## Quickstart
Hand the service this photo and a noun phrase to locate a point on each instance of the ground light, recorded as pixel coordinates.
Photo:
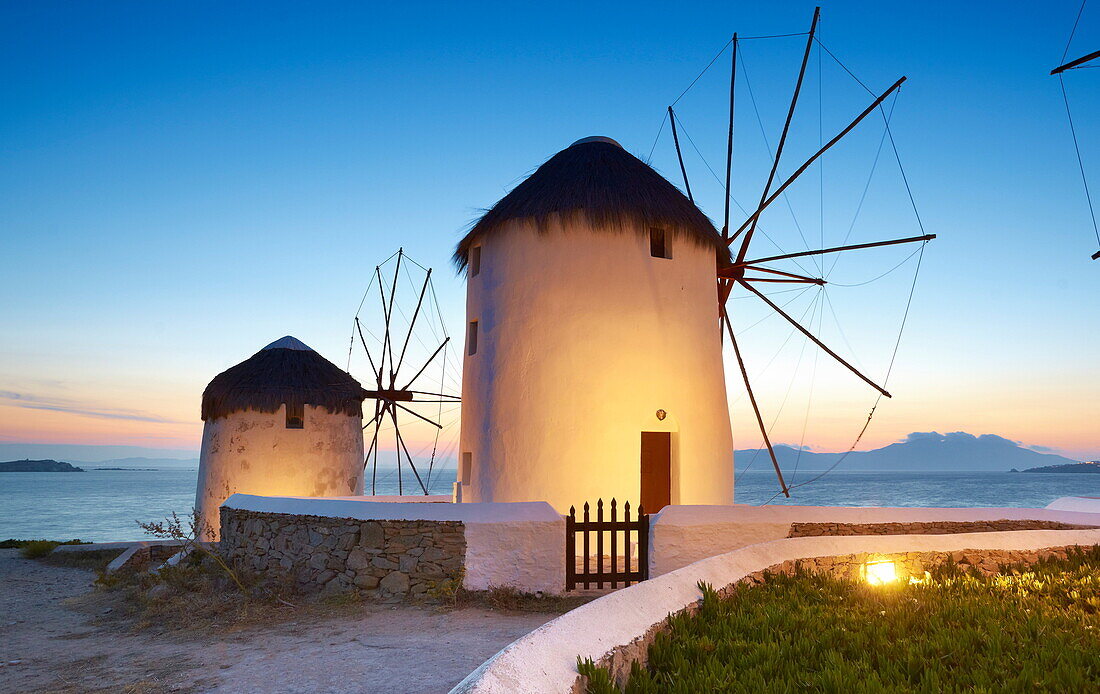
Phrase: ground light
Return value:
(880, 572)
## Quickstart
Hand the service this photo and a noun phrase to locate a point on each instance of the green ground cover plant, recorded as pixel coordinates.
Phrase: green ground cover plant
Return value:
(1031, 628)
(33, 549)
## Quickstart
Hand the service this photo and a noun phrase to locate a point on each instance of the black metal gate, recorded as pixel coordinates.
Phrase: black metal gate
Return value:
(619, 564)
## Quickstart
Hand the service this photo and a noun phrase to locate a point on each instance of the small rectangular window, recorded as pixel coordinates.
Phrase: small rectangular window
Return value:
(295, 416)
(475, 261)
(471, 338)
(464, 473)
(659, 246)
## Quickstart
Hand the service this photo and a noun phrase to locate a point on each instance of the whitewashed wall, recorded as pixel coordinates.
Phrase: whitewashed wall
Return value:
(681, 535)
(520, 545)
(254, 453)
(582, 337)
(545, 660)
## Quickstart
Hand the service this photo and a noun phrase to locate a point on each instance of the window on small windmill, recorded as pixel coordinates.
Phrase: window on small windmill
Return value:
(471, 338)
(475, 261)
(295, 416)
(659, 246)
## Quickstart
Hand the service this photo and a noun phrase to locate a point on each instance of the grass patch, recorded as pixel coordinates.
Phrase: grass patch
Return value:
(1031, 628)
(37, 548)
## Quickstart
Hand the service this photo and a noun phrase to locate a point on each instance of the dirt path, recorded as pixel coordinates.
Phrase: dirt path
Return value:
(48, 647)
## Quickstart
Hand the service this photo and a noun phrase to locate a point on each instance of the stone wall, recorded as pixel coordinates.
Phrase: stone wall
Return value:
(926, 528)
(392, 560)
(908, 565)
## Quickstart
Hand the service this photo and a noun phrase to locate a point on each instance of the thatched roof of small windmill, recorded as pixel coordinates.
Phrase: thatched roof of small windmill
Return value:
(610, 188)
(285, 372)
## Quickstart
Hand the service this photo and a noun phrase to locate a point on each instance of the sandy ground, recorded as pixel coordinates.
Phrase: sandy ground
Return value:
(50, 647)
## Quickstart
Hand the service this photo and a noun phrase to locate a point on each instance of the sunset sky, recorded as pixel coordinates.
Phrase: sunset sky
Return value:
(182, 183)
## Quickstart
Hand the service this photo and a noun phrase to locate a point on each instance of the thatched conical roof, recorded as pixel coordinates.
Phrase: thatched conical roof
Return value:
(285, 372)
(609, 187)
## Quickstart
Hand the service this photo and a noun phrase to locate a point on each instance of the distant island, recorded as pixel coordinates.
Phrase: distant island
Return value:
(1090, 466)
(37, 466)
(128, 469)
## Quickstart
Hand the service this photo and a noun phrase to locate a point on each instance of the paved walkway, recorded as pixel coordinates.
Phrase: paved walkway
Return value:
(48, 647)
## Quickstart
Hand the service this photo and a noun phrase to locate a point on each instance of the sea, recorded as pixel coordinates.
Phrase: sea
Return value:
(106, 505)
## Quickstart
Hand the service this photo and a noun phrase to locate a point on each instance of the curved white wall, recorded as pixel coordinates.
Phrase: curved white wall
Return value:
(254, 453)
(582, 337)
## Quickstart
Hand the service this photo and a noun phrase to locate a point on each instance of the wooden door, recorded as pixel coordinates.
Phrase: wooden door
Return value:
(656, 470)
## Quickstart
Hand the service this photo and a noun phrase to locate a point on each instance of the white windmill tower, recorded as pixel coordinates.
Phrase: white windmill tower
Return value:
(593, 363)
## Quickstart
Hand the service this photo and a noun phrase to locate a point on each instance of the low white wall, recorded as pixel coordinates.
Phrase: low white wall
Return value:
(1081, 504)
(680, 535)
(545, 660)
(510, 544)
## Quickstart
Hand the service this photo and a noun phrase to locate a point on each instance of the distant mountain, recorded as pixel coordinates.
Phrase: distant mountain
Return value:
(1092, 466)
(37, 466)
(920, 451)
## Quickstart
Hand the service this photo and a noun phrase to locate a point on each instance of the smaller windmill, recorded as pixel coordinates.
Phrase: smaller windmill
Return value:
(1078, 64)
(399, 328)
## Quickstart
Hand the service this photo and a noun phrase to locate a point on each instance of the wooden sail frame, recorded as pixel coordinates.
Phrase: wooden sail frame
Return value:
(733, 272)
(391, 392)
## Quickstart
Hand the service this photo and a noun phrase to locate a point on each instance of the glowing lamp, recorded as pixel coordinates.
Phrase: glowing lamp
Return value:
(880, 572)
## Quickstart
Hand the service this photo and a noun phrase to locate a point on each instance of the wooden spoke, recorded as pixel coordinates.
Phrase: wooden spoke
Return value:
(430, 359)
(1074, 63)
(755, 407)
(374, 447)
(412, 465)
(679, 154)
(412, 322)
(737, 272)
(441, 395)
(782, 136)
(376, 370)
(418, 415)
(389, 315)
(784, 280)
(790, 179)
(836, 249)
(816, 341)
(386, 335)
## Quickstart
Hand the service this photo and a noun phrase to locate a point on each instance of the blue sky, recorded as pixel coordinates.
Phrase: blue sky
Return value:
(182, 183)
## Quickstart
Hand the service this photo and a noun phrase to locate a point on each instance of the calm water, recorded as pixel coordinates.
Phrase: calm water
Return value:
(102, 506)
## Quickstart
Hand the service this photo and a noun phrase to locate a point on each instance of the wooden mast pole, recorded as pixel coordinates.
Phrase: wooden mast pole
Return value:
(778, 191)
(816, 341)
(783, 136)
(835, 249)
(1074, 63)
(679, 154)
(729, 142)
(755, 407)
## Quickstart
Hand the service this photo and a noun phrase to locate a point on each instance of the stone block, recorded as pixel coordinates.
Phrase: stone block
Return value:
(395, 582)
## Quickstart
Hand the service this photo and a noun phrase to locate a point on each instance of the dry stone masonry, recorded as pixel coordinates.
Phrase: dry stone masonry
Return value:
(926, 528)
(393, 560)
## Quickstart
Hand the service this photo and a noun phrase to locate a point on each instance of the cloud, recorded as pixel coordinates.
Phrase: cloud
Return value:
(34, 402)
(1042, 449)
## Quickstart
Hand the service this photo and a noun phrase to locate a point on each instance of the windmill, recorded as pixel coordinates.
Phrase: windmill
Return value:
(743, 271)
(400, 330)
(1078, 64)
